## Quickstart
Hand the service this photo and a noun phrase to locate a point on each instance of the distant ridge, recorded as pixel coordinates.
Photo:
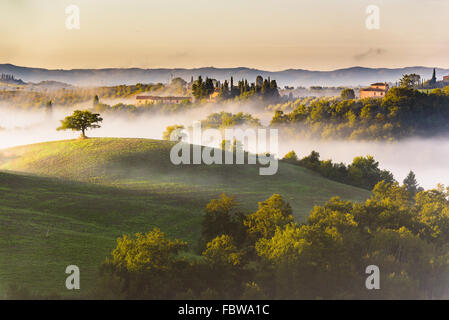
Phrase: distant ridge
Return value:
(353, 76)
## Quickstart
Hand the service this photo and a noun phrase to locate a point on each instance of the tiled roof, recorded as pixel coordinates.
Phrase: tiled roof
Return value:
(373, 89)
(161, 98)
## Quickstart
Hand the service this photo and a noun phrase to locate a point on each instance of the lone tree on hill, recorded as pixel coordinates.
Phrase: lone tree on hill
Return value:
(81, 121)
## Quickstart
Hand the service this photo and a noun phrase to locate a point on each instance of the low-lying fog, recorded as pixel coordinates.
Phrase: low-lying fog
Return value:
(428, 158)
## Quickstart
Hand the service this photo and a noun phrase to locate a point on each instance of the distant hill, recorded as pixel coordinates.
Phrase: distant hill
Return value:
(49, 85)
(294, 77)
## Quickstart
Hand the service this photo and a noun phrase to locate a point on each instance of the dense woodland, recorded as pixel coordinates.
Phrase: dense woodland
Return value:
(266, 255)
(404, 112)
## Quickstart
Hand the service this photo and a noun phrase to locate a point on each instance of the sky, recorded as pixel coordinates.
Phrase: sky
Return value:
(264, 34)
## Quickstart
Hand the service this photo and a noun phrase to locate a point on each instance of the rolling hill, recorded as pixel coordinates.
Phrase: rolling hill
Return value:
(73, 198)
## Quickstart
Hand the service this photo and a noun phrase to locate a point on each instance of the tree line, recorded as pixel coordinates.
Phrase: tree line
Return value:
(363, 172)
(264, 89)
(402, 113)
(71, 96)
(265, 254)
(223, 119)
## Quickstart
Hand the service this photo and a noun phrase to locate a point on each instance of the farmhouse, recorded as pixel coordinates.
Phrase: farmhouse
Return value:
(376, 90)
(213, 97)
(446, 79)
(164, 100)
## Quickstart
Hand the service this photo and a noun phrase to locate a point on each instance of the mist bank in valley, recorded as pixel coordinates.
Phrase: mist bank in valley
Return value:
(427, 157)
(25, 126)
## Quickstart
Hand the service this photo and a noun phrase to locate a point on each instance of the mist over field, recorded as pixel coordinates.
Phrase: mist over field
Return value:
(426, 157)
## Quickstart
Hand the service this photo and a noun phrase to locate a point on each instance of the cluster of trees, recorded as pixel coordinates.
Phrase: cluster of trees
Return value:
(265, 89)
(363, 172)
(132, 110)
(313, 91)
(347, 94)
(173, 133)
(203, 89)
(7, 77)
(292, 104)
(433, 83)
(414, 81)
(267, 255)
(126, 91)
(36, 100)
(73, 96)
(223, 119)
(319, 88)
(411, 81)
(402, 113)
(218, 120)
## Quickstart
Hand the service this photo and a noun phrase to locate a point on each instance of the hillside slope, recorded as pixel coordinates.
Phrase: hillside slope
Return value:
(99, 189)
(47, 224)
(143, 164)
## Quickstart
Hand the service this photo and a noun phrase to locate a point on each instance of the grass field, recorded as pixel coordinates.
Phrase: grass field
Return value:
(72, 199)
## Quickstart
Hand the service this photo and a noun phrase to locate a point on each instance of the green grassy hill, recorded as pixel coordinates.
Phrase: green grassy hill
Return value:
(76, 197)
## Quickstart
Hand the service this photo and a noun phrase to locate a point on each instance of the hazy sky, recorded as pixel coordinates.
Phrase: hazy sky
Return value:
(265, 34)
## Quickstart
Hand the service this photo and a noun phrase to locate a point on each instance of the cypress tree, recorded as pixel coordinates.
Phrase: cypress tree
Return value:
(433, 81)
